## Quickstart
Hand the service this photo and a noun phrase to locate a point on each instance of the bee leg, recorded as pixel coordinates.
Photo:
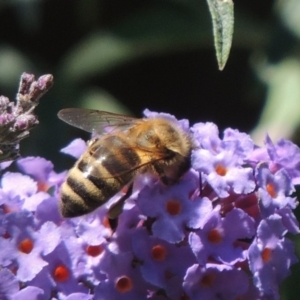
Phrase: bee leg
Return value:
(167, 180)
(162, 176)
(200, 184)
(116, 209)
(113, 223)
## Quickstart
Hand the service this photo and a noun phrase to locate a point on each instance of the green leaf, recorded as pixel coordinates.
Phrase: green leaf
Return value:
(223, 19)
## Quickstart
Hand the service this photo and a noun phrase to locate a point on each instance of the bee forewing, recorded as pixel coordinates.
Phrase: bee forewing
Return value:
(95, 121)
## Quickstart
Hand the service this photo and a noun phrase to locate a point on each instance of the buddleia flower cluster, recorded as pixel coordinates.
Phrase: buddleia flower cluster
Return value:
(16, 119)
(219, 233)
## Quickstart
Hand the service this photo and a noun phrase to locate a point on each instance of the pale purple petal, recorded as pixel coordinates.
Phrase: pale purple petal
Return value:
(9, 284)
(75, 148)
(26, 186)
(39, 168)
(29, 292)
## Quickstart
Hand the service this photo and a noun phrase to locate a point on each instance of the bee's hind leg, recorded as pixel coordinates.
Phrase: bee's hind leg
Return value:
(158, 169)
(116, 209)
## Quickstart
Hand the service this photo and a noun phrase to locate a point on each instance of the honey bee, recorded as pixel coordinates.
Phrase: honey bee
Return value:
(123, 147)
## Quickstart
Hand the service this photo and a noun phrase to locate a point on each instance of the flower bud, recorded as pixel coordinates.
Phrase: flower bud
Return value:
(25, 122)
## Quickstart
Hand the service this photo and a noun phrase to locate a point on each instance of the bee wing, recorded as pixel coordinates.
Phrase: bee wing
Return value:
(96, 121)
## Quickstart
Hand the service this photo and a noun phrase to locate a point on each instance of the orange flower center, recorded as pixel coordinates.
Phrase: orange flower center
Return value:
(173, 207)
(214, 236)
(266, 254)
(94, 250)
(26, 246)
(220, 170)
(124, 189)
(159, 252)
(7, 209)
(271, 189)
(123, 284)
(43, 186)
(61, 273)
(105, 222)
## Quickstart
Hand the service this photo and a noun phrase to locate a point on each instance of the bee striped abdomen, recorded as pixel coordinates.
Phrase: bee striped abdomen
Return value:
(80, 195)
(98, 175)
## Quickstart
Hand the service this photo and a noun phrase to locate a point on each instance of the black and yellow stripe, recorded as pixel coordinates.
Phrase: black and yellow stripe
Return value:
(111, 160)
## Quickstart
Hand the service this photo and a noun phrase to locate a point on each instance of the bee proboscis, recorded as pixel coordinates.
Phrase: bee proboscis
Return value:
(124, 146)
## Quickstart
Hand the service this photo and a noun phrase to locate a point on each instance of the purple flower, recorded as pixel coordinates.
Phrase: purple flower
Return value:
(219, 232)
(240, 142)
(9, 284)
(221, 162)
(284, 155)
(289, 220)
(206, 136)
(173, 209)
(79, 296)
(223, 172)
(217, 238)
(215, 282)
(48, 210)
(29, 292)
(274, 189)
(62, 270)
(129, 220)
(124, 279)
(91, 229)
(41, 170)
(157, 259)
(27, 246)
(75, 148)
(24, 195)
(270, 256)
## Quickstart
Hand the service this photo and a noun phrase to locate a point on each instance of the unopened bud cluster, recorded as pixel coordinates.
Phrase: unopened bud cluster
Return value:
(16, 119)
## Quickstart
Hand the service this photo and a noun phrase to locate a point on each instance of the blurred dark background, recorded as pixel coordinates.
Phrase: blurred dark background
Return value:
(128, 55)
